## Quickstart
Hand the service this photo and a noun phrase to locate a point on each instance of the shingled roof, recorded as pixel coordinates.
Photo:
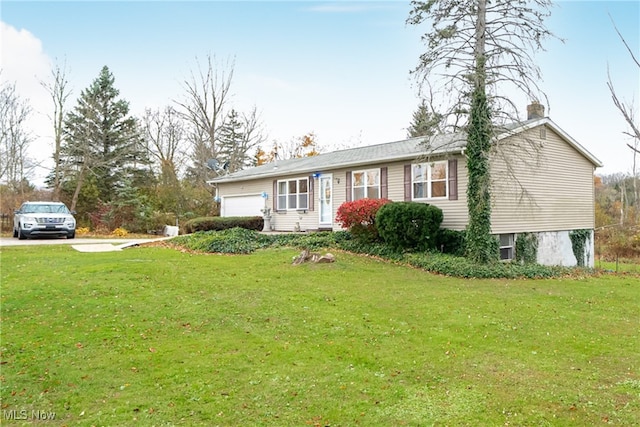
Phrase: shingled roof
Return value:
(408, 149)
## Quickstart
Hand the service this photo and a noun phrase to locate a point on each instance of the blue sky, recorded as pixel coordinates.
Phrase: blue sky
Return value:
(339, 69)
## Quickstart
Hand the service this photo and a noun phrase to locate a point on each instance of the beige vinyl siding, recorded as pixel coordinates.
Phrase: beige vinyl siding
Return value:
(244, 188)
(454, 211)
(540, 185)
(455, 214)
(282, 221)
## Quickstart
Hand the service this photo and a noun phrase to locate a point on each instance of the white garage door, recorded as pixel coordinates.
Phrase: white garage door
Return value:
(246, 205)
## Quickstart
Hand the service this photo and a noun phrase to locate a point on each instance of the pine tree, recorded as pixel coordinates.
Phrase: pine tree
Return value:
(231, 143)
(101, 139)
(424, 123)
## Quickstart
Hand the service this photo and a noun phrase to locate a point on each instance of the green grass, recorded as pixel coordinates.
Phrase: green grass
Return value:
(622, 266)
(153, 336)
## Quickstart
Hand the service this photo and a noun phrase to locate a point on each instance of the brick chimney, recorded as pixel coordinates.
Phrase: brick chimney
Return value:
(535, 110)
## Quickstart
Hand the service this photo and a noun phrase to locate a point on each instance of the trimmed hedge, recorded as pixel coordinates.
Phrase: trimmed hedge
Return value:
(409, 225)
(217, 223)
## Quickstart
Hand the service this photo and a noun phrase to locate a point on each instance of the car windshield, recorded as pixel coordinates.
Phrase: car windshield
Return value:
(44, 208)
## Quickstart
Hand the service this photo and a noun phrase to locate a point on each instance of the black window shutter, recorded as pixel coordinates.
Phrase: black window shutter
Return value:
(407, 183)
(348, 185)
(311, 196)
(384, 192)
(453, 179)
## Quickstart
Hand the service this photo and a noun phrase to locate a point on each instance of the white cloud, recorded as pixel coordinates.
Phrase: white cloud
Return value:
(23, 60)
(25, 64)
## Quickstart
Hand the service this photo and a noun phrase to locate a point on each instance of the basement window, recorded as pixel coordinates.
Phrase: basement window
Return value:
(506, 246)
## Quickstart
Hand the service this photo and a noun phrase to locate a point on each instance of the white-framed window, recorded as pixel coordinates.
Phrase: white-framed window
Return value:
(429, 180)
(506, 246)
(366, 184)
(293, 194)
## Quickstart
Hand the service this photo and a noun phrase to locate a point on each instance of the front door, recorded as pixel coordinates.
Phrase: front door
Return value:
(326, 205)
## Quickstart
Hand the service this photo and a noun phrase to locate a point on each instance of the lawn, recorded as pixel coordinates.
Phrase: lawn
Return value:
(154, 336)
(623, 266)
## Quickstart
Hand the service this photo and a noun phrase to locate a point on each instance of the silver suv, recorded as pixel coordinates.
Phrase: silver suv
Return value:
(35, 219)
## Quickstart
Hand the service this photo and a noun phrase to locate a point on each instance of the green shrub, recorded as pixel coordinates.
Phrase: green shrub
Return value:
(242, 241)
(451, 241)
(377, 249)
(409, 225)
(216, 223)
(359, 217)
(463, 267)
(232, 241)
(486, 248)
(311, 241)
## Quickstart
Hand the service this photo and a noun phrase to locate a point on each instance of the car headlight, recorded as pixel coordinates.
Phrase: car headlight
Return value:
(29, 219)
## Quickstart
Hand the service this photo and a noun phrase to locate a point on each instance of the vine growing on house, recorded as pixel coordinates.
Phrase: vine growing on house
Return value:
(477, 51)
(579, 240)
(527, 248)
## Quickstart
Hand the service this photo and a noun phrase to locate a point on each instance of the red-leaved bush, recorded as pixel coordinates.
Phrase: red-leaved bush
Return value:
(359, 217)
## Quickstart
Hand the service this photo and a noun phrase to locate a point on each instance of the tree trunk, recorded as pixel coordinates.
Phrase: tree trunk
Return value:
(481, 28)
(481, 247)
(76, 193)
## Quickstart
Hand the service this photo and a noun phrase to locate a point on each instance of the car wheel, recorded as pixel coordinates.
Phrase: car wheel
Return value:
(15, 233)
(21, 235)
(71, 235)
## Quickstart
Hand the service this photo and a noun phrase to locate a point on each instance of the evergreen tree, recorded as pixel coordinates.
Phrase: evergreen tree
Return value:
(239, 137)
(424, 122)
(101, 139)
(231, 143)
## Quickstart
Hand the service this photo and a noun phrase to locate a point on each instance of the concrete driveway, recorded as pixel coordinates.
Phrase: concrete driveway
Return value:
(81, 244)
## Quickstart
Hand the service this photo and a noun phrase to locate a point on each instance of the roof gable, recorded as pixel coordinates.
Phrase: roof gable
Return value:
(530, 124)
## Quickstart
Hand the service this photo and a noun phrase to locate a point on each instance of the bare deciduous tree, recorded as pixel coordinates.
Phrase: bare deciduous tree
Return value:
(303, 146)
(165, 137)
(629, 114)
(504, 34)
(208, 92)
(627, 109)
(59, 93)
(15, 164)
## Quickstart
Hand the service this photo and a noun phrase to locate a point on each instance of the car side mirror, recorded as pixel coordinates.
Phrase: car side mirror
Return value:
(17, 211)
(73, 212)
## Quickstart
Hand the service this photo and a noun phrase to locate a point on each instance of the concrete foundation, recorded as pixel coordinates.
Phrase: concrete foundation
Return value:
(554, 248)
